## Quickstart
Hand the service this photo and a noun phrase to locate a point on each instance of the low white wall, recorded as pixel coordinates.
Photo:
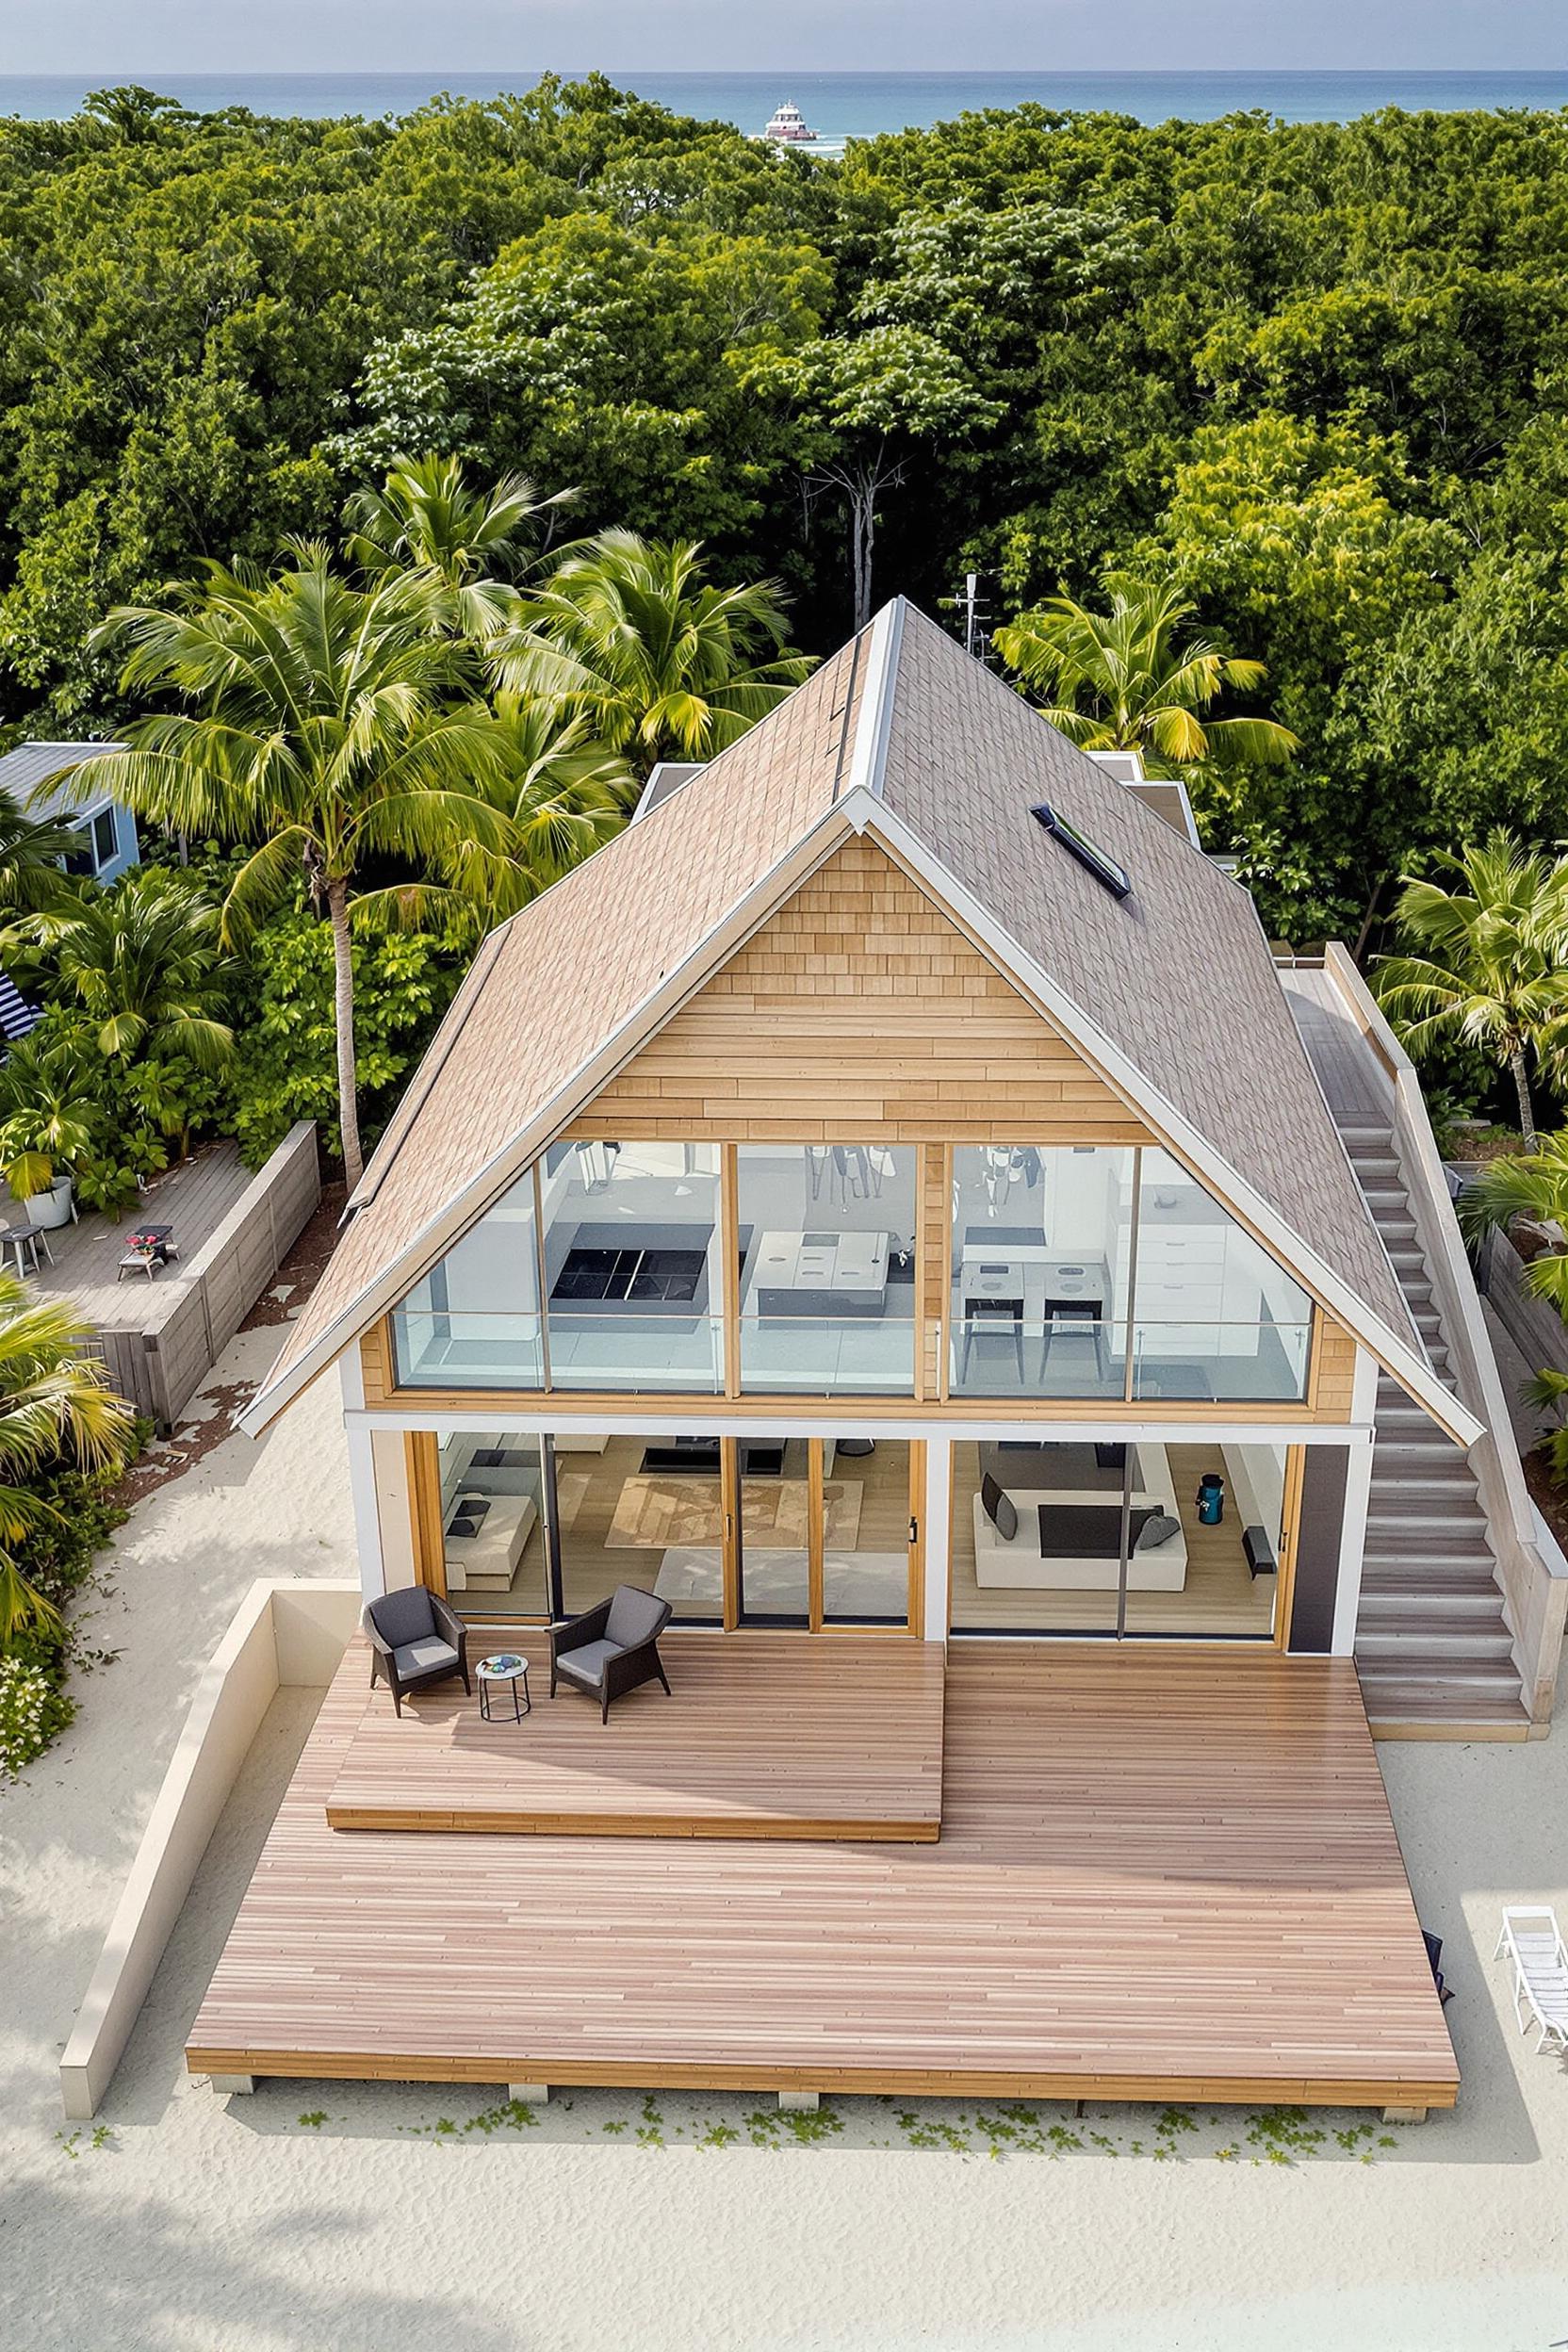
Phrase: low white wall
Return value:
(282, 1634)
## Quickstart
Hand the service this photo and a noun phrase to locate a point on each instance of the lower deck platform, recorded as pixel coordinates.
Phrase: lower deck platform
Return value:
(764, 1735)
(1159, 1877)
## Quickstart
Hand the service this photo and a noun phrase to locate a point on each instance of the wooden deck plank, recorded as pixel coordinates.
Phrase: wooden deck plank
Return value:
(1161, 1875)
(768, 1735)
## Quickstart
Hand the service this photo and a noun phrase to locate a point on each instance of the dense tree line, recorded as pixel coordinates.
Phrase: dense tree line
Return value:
(1312, 378)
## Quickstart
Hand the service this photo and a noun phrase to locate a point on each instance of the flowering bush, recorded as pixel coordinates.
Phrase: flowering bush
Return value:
(32, 1709)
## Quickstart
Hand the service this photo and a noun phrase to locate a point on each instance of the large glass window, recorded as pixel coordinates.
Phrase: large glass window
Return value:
(493, 1518)
(1156, 1538)
(633, 1280)
(827, 1258)
(1040, 1265)
(1214, 1314)
(645, 1512)
(474, 1320)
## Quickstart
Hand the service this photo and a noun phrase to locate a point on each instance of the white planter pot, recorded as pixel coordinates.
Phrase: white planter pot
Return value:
(53, 1207)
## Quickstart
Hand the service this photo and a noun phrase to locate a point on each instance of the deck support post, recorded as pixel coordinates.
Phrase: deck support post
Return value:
(799, 2102)
(232, 2085)
(530, 2094)
(1404, 2114)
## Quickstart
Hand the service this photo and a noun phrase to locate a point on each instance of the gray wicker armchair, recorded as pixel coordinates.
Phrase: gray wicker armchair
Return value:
(612, 1648)
(416, 1638)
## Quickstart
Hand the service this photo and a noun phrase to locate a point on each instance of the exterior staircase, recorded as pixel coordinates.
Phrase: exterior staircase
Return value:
(1432, 1642)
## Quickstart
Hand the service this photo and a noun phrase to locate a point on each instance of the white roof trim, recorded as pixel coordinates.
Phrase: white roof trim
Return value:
(1398, 1358)
(874, 720)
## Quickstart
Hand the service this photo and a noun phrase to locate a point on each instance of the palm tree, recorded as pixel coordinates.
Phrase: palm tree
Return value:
(626, 632)
(428, 518)
(320, 728)
(54, 1402)
(561, 793)
(1493, 974)
(142, 960)
(1535, 1186)
(1131, 680)
(49, 1110)
(33, 851)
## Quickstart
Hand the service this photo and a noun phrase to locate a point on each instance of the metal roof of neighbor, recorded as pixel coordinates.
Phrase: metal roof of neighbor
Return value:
(26, 771)
(1171, 992)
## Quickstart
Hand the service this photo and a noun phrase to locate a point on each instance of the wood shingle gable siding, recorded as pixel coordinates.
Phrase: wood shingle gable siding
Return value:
(859, 1013)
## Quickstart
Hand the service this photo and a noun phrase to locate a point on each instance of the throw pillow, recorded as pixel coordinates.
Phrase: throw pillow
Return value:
(461, 1525)
(1157, 1529)
(999, 1508)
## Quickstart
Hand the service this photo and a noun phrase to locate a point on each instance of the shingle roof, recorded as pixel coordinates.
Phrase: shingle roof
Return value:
(902, 727)
(1179, 975)
(29, 766)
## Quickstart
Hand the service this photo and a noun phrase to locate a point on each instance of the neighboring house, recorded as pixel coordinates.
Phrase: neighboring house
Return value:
(36, 776)
(890, 1188)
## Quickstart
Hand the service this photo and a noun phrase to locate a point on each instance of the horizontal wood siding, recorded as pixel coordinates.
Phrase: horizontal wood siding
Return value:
(860, 1013)
(1333, 1374)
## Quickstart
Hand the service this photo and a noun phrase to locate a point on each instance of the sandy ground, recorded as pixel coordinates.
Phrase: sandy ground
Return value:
(341, 2216)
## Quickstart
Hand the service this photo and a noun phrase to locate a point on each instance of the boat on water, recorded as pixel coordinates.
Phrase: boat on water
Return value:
(790, 125)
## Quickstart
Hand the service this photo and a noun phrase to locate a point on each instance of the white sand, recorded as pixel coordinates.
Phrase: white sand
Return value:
(234, 2226)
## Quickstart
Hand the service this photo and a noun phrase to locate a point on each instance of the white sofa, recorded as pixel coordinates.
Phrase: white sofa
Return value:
(1016, 1561)
(487, 1562)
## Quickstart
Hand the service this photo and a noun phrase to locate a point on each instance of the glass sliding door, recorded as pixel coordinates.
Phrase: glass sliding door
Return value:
(778, 1482)
(827, 1236)
(1175, 1537)
(634, 1265)
(494, 1517)
(868, 1516)
(645, 1512)
(1040, 1256)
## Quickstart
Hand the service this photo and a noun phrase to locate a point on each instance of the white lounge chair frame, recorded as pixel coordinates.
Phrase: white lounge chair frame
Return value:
(1533, 1942)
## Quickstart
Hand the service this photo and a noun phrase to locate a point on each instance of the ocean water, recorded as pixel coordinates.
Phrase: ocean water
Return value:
(837, 105)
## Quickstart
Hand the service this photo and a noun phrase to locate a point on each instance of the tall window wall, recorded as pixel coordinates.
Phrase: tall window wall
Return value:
(827, 1268)
(1082, 1272)
(1096, 1272)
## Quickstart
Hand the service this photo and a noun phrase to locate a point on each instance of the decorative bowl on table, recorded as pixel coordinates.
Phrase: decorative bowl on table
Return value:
(504, 1665)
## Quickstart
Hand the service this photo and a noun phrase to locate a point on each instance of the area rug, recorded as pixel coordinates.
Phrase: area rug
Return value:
(655, 1514)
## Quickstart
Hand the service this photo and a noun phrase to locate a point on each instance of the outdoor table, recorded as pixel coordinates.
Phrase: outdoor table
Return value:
(509, 1666)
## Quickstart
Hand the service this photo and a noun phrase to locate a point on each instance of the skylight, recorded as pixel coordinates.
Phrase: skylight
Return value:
(1104, 869)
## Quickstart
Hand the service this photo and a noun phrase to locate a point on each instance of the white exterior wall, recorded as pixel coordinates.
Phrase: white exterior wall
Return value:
(1358, 1488)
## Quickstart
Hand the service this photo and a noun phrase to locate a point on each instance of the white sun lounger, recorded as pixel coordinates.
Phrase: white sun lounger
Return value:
(1533, 1942)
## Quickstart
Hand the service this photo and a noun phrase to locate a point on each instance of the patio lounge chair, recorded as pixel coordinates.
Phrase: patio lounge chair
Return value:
(414, 1639)
(612, 1648)
(1533, 1942)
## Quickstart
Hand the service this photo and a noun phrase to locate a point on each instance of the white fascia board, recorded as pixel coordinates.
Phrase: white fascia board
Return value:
(874, 719)
(648, 1015)
(656, 1416)
(869, 814)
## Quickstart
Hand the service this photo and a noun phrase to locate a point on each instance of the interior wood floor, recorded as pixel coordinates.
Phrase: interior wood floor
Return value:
(1220, 1596)
(765, 1735)
(1161, 1875)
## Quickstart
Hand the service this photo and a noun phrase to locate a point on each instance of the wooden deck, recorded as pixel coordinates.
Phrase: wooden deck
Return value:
(194, 1198)
(1161, 1875)
(767, 1736)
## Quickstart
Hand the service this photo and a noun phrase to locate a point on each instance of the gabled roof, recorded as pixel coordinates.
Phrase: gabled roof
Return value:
(1170, 992)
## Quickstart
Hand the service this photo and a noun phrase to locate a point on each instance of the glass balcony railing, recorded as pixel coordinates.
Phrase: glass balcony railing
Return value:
(1172, 1362)
(676, 1353)
(440, 1350)
(807, 1356)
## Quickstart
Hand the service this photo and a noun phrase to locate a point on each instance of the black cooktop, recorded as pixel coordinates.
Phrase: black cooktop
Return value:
(662, 1275)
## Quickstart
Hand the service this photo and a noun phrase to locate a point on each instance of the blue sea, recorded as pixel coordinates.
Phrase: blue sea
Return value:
(837, 105)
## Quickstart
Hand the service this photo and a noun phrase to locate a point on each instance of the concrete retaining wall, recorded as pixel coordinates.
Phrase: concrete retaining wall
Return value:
(282, 1635)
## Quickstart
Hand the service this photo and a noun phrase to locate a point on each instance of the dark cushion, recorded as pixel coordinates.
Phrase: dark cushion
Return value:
(428, 1656)
(586, 1665)
(1000, 1508)
(462, 1524)
(404, 1615)
(635, 1616)
(1158, 1530)
(475, 1507)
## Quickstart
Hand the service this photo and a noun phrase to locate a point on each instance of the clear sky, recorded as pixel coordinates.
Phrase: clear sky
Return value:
(109, 38)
